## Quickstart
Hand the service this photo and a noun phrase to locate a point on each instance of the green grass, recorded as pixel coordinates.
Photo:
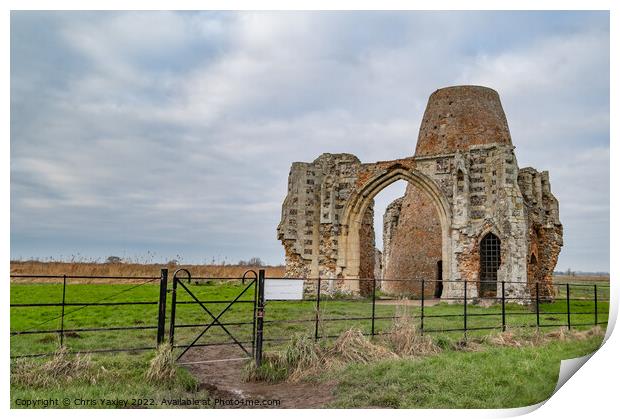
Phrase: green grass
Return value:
(112, 377)
(454, 379)
(23, 318)
(497, 377)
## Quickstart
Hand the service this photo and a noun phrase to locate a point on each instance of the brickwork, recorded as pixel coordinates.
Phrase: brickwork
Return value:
(390, 224)
(414, 246)
(465, 182)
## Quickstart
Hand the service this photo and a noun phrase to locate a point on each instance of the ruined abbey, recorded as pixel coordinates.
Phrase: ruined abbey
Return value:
(469, 212)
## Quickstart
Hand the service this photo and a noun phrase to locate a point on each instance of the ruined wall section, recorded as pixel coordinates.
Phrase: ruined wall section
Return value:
(415, 246)
(464, 147)
(311, 213)
(367, 252)
(544, 230)
(481, 187)
(487, 199)
(390, 224)
(296, 230)
(378, 266)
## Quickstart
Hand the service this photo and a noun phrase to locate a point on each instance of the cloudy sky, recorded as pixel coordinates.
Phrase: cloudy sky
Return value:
(150, 135)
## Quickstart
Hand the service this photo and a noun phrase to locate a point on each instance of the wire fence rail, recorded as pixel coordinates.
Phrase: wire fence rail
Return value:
(243, 316)
(576, 304)
(77, 306)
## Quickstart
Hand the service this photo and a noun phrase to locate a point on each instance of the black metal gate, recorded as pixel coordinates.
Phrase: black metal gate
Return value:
(215, 321)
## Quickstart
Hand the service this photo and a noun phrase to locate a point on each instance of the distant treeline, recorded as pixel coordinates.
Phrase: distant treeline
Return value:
(569, 272)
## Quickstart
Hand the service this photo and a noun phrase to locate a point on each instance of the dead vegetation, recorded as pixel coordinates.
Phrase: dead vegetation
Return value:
(304, 358)
(561, 279)
(404, 337)
(353, 346)
(62, 368)
(128, 269)
(162, 369)
(519, 338)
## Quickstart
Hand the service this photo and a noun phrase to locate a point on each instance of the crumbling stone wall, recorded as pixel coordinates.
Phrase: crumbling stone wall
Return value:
(544, 230)
(414, 246)
(378, 266)
(317, 193)
(367, 251)
(391, 219)
(465, 169)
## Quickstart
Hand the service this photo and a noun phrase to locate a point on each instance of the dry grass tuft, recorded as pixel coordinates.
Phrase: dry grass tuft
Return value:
(353, 346)
(522, 338)
(162, 367)
(507, 339)
(595, 331)
(470, 345)
(517, 338)
(405, 338)
(303, 357)
(561, 334)
(303, 352)
(62, 368)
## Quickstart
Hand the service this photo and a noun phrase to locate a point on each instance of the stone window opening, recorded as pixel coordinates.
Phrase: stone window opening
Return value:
(460, 181)
(490, 249)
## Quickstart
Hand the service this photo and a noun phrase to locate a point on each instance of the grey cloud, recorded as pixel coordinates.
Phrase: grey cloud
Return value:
(175, 132)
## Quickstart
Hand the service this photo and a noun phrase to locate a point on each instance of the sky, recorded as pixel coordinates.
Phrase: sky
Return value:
(169, 135)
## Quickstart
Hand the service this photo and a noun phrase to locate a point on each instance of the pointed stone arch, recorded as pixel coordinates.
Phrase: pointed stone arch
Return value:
(349, 240)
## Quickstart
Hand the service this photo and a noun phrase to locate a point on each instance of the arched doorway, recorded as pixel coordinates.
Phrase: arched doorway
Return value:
(349, 240)
(490, 259)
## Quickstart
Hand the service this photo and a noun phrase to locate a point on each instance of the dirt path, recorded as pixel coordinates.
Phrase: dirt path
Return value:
(225, 381)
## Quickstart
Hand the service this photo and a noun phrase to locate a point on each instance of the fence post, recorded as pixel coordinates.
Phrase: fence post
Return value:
(317, 308)
(537, 307)
(422, 310)
(62, 313)
(595, 306)
(465, 308)
(254, 316)
(173, 309)
(161, 318)
(259, 318)
(503, 306)
(374, 299)
(568, 304)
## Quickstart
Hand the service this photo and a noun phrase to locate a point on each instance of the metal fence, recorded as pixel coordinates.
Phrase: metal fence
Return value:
(572, 305)
(324, 312)
(69, 307)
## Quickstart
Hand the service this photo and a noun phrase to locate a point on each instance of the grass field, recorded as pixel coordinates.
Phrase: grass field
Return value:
(125, 370)
(77, 317)
(495, 377)
(104, 379)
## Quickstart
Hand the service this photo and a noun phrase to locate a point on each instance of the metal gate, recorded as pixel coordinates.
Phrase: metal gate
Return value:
(248, 295)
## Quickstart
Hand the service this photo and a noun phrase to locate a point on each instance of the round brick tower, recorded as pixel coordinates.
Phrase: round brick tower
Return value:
(455, 119)
(461, 116)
